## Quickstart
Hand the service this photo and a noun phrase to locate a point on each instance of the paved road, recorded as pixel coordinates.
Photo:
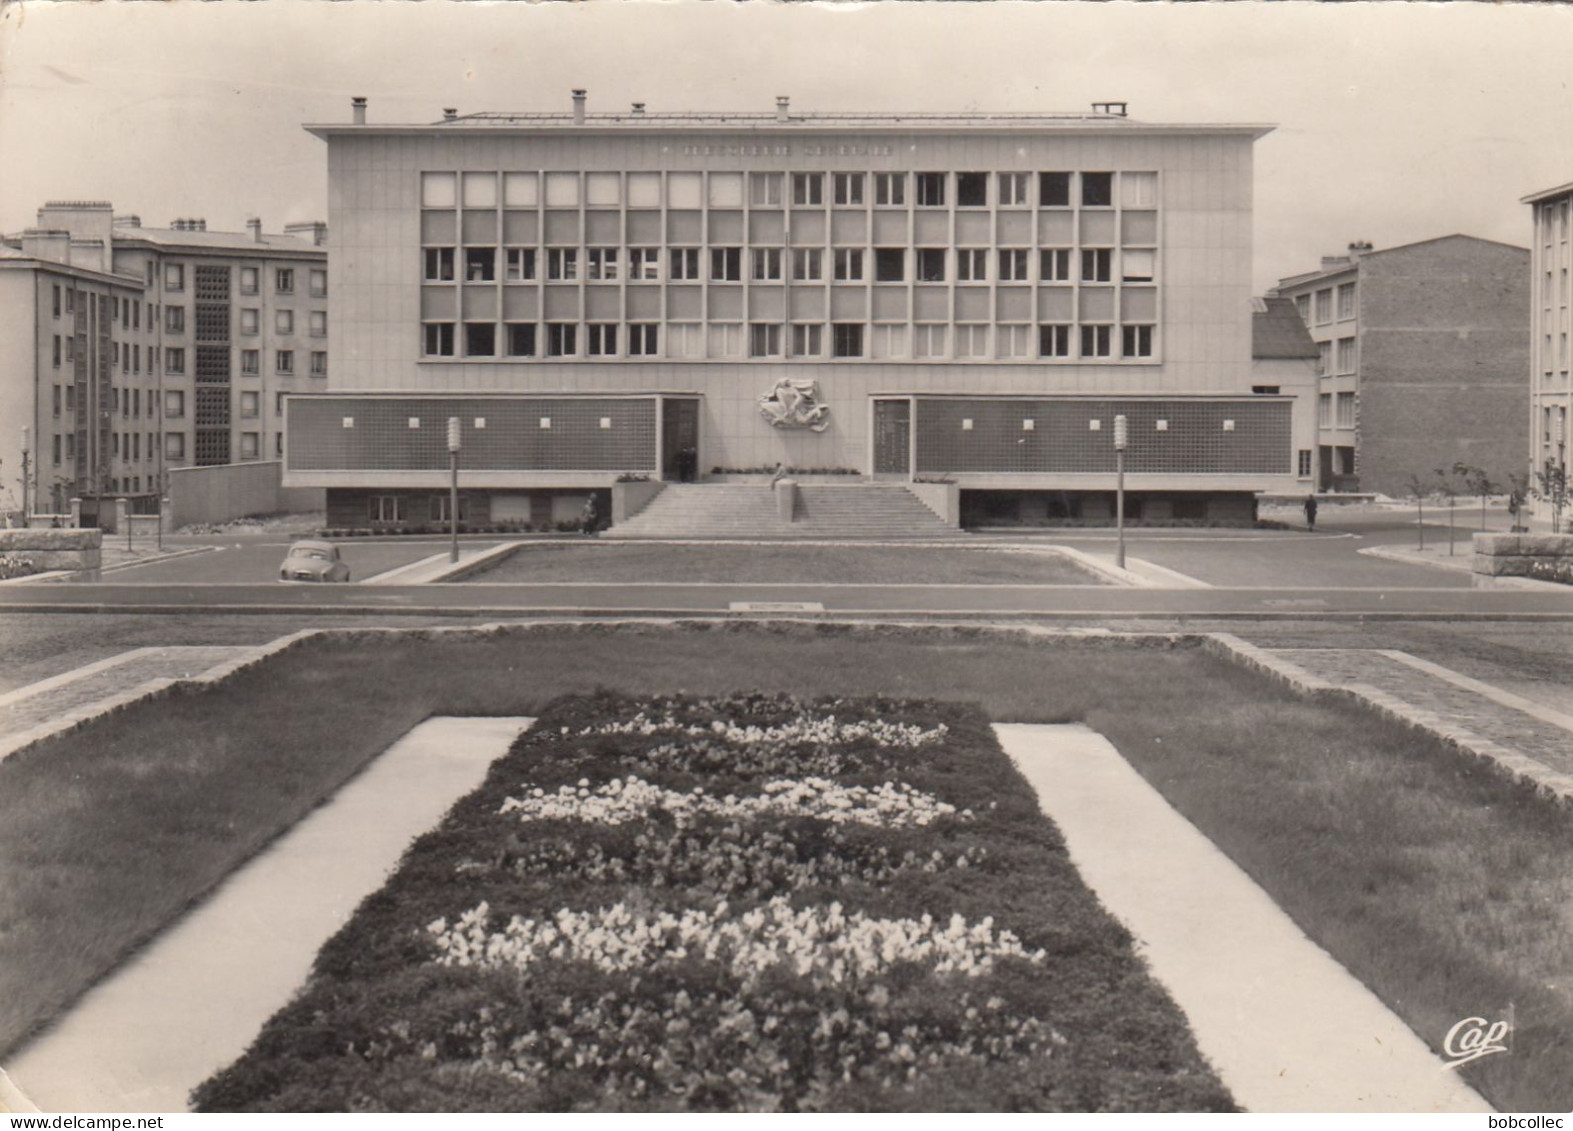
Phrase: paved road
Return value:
(256, 560)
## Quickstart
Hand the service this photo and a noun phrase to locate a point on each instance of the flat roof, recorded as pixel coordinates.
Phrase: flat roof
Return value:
(1547, 194)
(233, 242)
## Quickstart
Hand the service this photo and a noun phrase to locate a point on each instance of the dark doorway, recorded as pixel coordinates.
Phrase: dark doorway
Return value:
(680, 439)
(892, 437)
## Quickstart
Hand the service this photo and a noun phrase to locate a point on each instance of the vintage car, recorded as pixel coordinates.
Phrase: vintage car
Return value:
(313, 561)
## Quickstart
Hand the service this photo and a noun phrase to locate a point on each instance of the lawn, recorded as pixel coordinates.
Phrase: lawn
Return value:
(622, 562)
(1441, 886)
(748, 903)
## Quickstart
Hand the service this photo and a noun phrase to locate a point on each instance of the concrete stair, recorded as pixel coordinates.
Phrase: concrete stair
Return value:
(746, 511)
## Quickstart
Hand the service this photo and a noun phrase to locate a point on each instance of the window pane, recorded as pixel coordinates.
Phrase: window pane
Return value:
(438, 190)
(602, 188)
(644, 190)
(521, 190)
(726, 190)
(683, 190)
(562, 189)
(480, 190)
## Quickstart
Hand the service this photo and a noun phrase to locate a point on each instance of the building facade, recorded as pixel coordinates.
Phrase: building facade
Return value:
(965, 296)
(1422, 360)
(1550, 397)
(137, 350)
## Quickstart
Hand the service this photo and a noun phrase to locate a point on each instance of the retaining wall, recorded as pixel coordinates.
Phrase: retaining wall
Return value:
(1548, 557)
(79, 550)
(235, 490)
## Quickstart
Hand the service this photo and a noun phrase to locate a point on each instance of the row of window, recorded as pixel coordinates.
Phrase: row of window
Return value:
(250, 281)
(772, 340)
(1323, 312)
(1343, 361)
(774, 264)
(1345, 406)
(803, 190)
(174, 448)
(251, 362)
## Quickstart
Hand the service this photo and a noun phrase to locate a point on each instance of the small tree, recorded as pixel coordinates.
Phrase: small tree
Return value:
(1476, 482)
(1551, 485)
(1417, 488)
(1447, 485)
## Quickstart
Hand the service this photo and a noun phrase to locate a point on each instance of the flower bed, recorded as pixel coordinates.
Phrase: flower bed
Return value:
(18, 565)
(741, 903)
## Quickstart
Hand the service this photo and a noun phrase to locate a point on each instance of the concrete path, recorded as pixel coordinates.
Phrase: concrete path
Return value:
(195, 998)
(1287, 1028)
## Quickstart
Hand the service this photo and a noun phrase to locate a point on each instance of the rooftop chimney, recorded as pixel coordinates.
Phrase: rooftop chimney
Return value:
(578, 107)
(1114, 109)
(358, 110)
(254, 226)
(449, 113)
(782, 103)
(1358, 248)
(128, 221)
(639, 109)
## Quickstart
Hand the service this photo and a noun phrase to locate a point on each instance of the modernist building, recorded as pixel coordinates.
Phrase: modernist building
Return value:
(1551, 322)
(132, 350)
(1423, 356)
(973, 296)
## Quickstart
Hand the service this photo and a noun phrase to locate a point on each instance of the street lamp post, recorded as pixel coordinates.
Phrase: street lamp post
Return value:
(27, 436)
(1119, 490)
(453, 488)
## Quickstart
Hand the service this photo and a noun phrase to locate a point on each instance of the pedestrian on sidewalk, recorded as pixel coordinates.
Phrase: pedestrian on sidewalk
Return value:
(591, 516)
(1310, 513)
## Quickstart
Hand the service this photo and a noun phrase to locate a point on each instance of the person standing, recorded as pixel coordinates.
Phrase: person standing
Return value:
(591, 516)
(1310, 513)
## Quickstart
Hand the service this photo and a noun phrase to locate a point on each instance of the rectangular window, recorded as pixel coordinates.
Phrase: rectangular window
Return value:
(847, 188)
(890, 189)
(439, 190)
(250, 362)
(808, 339)
(1013, 341)
(887, 341)
(1302, 305)
(685, 339)
(480, 339)
(562, 339)
(174, 276)
(931, 265)
(1097, 190)
(562, 264)
(249, 321)
(1012, 189)
(248, 280)
(808, 264)
(55, 450)
(603, 190)
(972, 190)
(319, 363)
(1095, 264)
(931, 190)
(1303, 464)
(764, 190)
(319, 283)
(1324, 306)
(685, 264)
(56, 353)
(520, 264)
(174, 445)
(972, 340)
(644, 339)
(56, 400)
(480, 264)
(848, 264)
(726, 339)
(601, 265)
(726, 190)
(972, 265)
(1013, 265)
(1324, 358)
(174, 320)
(284, 321)
(1054, 342)
(175, 360)
(726, 264)
(57, 300)
(437, 339)
(644, 264)
(439, 264)
(385, 508)
(250, 404)
(847, 339)
(1324, 410)
(1135, 341)
(284, 280)
(601, 339)
(284, 361)
(1136, 266)
(766, 264)
(808, 189)
(1054, 265)
(521, 339)
(890, 264)
(1054, 190)
(1346, 410)
(1346, 300)
(764, 340)
(1095, 341)
(1138, 190)
(929, 339)
(1346, 355)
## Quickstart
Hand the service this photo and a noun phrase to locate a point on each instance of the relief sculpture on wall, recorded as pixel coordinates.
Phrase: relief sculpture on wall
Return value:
(794, 403)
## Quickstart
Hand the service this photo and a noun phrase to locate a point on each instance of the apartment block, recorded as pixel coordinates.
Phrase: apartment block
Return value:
(1551, 320)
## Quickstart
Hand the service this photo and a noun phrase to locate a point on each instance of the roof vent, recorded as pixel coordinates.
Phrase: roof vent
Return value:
(129, 221)
(783, 103)
(1358, 248)
(450, 113)
(254, 227)
(639, 109)
(358, 110)
(1114, 109)
(578, 107)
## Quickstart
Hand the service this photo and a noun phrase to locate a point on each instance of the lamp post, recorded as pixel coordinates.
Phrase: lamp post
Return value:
(1119, 490)
(453, 488)
(27, 436)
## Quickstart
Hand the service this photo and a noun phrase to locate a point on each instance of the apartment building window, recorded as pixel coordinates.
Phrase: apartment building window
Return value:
(1324, 306)
(439, 265)
(847, 188)
(562, 339)
(562, 264)
(1324, 410)
(1097, 190)
(319, 283)
(174, 276)
(1346, 410)
(250, 404)
(55, 450)
(248, 280)
(972, 265)
(726, 190)
(931, 265)
(1135, 341)
(284, 362)
(249, 321)
(1013, 341)
(319, 363)
(56, 300)
(1302, 305)
(1303, 464)
(602, 265)
(644, 264)
(480, 339)
(1054, 265)
(385, 508)
(278, 444)
(56, 353)
(520, 264)
(808, 264)
(1096, 341)
(764, 190)
(174, 320)
(520, 338)
(1324, 358)
(847, 339)
(685, 339)
(283, 321)
(1013, 264)
(136, 314)
(764, 340)
(174, 445)
(726, 339)
(284, 280)
(437, 339)
(250, 362)
(972, 340)
(1054, 190)
(766, 264)
(1136, 265)
(726, 264)
(685, 264)
(71, 299)
(930, 339)
(70, 398)
(808, 339)
(480, 264)
(175, 360)
(56, 400)
(887, 341)
(931, 190)
(1346, 300)
(1012, 189)
(972, 190)
(601, 339)
(848, 264)
(890, 264)
(808, 189)
(70, 350)
(1346, 355)
(890, 189)
(1095, 264)
(1139, 190)
(644, 339)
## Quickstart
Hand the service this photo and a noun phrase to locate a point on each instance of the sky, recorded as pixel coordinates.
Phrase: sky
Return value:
(1395, 122)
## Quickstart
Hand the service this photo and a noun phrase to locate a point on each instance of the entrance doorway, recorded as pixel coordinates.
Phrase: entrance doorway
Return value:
(893, 438)
(680, 439)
